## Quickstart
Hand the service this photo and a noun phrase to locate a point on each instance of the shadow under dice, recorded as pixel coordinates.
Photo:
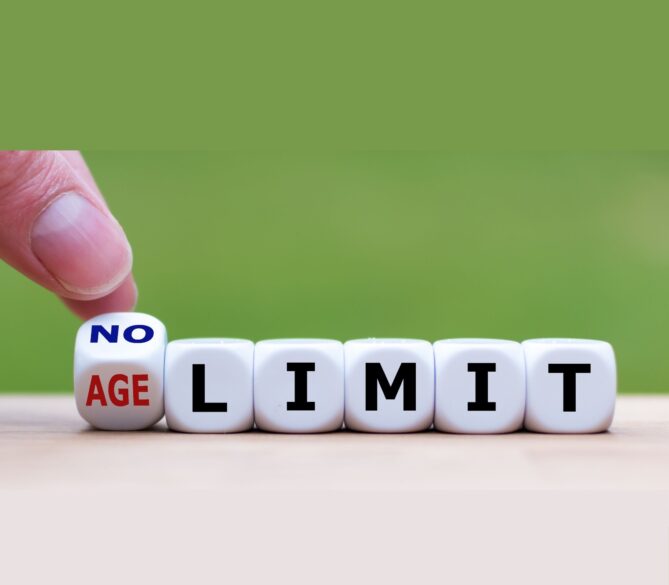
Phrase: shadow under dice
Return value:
(299, 385)
(571, 385)
(118, 371)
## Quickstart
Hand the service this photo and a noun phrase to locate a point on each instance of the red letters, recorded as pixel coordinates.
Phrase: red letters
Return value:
(122, 399)
(96, 392)
(136, 389)
(119, 395)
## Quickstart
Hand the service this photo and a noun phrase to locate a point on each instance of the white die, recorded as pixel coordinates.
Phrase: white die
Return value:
(299, 385)
(571, 385)
(389, 385)
(209, 385)
(118, 371)
(479, 386)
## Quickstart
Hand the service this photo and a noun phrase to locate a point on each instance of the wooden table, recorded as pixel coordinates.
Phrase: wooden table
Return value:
(119, 507)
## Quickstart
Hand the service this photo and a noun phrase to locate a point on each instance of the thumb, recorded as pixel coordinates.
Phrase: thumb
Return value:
(56, 229)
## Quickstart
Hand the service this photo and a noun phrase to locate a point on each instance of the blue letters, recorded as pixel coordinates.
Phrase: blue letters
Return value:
(96, 330)
(148, 334)
(112, 336)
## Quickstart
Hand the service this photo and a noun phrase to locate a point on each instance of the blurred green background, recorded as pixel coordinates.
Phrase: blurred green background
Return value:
(361, 244)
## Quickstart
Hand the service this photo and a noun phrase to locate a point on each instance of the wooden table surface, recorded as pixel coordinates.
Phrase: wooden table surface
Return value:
(326, 508)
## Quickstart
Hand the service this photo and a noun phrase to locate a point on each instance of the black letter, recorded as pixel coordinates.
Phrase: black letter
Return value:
(199, 402)
(481, 387)
(375, 376)
(569, 382)
(301, 402)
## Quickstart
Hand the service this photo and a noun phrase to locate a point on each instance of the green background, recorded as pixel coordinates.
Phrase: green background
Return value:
(346, 74)
(359, 244)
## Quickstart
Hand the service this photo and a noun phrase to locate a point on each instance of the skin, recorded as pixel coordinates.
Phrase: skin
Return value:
(56, 228)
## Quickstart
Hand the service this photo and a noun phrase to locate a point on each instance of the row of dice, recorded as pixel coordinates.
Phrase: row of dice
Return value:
(126, 377)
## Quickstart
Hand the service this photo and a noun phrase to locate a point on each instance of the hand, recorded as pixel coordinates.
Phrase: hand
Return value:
(57, 230)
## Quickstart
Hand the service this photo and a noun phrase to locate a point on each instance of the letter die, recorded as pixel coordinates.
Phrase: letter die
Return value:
(118, 371)
(209, 385)
(389, 385)
(479, 386)
(299, 385)
(571, 385)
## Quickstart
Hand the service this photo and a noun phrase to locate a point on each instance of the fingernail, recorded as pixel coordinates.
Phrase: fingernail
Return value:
(83, 248)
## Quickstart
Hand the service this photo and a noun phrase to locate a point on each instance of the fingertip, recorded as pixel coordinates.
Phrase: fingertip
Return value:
(122, 299)
(83, 248)
(56, 228)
